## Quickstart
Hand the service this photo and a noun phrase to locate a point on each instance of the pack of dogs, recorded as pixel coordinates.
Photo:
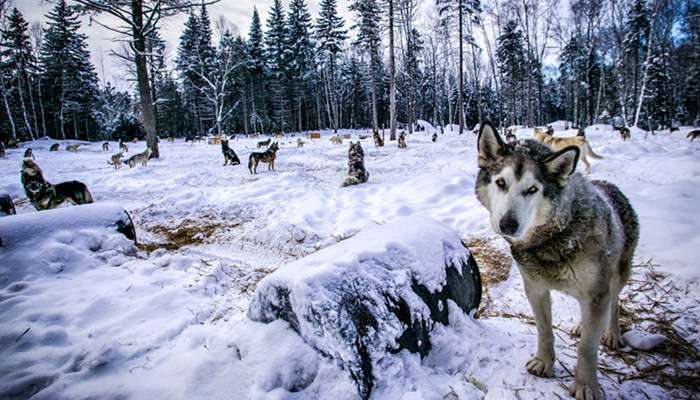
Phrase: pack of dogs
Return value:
(566, 233)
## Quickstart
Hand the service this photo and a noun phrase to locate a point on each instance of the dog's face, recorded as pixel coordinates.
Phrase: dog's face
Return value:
(518, 183)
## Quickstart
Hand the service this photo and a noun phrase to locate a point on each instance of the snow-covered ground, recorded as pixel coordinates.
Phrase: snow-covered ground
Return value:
(86, 314)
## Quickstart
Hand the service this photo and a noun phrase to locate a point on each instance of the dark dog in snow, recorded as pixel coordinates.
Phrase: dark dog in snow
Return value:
(264, 143)
(356, 166)
(45, 196)
(268, 156)
(229, 154)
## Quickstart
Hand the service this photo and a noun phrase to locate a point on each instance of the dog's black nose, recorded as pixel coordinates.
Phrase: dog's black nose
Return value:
(509, 224)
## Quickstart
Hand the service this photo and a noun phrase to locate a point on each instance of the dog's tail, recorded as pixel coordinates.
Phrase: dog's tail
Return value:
(250, 163)
(351, 180)
(592, 153)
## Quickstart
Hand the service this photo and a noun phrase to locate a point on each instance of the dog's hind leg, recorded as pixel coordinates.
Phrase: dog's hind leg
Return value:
(540, 302)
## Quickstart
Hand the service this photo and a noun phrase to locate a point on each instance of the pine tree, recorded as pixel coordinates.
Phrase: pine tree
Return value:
(69, 79)
(278, 60)
(511, 59)
(369, 41)
(18, 66)
(301, 52)
(330, 35)
(255, 60)
(634, 49)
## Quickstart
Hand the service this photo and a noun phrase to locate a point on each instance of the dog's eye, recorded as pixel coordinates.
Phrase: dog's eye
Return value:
(501, 183)
(532, 190)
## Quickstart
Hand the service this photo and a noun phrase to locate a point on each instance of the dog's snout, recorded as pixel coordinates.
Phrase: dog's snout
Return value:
(509, 224)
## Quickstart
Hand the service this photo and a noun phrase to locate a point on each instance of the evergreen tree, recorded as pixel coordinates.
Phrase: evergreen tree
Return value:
(278, 61)
(255, 61)
(18, 67)
(369, 41)
(330, 35)
(634, 49)
(69, 79)
(511, 59)
(301, 52)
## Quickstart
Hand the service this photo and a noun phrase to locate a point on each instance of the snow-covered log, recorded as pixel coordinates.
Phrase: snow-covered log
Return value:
(374, 294)
(17, 228)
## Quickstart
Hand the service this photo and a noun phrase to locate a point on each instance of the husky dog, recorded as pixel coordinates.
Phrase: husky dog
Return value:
(105, 146)
(565, 233)
(139, 158)
(434, 137)
(73, 147)
(264, 143)
(29, 154)
(336, 140)
(229, 154)
(581, 132)
(45, 196)
(268, 156)
(54, 147)
(300, 143)
(402, 140)
(557, 143)
(378, 141)
(171, 139)
(123, 147)
(693, 134)
(625, 133)
(356, 166)
(117, 160)
(135, 140)
(7, 207)
(510, 137)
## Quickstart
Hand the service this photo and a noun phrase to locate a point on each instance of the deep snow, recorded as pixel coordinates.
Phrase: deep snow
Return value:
(86, 314)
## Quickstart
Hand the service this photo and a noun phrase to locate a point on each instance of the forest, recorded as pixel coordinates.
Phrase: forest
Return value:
(515, 62)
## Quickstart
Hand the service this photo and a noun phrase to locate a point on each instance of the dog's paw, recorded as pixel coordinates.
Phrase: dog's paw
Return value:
(584, 391)
(613, 340)
(537, 366)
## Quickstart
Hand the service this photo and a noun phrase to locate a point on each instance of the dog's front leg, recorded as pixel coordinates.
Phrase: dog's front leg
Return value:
(540, 302)
(593, 316)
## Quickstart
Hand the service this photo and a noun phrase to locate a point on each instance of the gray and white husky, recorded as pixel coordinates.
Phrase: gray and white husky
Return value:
(565, 233)
(139, 158)
(356, 166)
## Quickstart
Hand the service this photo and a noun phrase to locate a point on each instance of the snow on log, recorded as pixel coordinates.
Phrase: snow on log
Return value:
(373, 295)
(17, 228)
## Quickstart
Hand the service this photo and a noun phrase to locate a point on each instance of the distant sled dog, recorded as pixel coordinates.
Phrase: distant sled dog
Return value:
(268, 156)
(693, 134)
(229, 154)
(139, 158)
(264, 143)
(356, 165)
(558, 143)
(565, 233)
(117, 160)
(45, 196)
(402, 140)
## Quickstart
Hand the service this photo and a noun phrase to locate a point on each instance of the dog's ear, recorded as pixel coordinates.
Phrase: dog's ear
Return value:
(562, 163)
(489, 144)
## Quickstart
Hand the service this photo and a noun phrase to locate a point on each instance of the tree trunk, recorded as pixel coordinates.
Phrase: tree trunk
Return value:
(392, 75)
(373, 67)
(461, 71)
(139, 44)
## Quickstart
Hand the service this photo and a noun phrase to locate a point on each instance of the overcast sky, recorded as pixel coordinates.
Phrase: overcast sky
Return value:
(101, 41)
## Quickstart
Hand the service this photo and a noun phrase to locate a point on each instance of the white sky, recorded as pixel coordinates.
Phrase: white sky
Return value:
(101, 41)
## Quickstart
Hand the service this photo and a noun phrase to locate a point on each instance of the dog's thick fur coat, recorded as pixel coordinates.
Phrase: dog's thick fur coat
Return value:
(229, 154)
(356, 165)
(139, 158)
(45, 196)
(565, 233)
(268, 156)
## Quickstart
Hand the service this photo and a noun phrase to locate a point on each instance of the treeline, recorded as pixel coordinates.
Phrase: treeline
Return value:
(624, 62)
